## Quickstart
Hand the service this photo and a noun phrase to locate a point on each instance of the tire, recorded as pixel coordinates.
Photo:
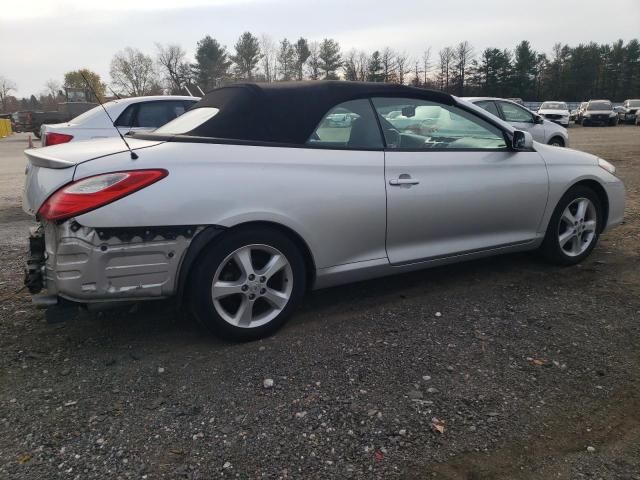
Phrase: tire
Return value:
(265, 298)
(584, 122)
(576, 247)
(556, 142)
(614, 122)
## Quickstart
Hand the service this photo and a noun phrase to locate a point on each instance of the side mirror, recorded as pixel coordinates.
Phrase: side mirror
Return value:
(522, 140)
(538, 120)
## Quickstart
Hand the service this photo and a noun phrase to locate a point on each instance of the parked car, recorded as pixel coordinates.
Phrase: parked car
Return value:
(247, 200)
(598, 112)
(129, 115)
(580, 111)
(629, 111)
(542, 130)
(557, 112)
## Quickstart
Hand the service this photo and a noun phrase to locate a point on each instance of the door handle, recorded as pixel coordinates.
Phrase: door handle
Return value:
(403, 179)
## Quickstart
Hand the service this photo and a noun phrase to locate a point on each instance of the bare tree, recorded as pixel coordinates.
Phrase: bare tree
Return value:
(355, 65)
(426, 65)
(389, 66)
(132, 72)
(463, 55)
(6, 87)
(53, 88)
(402, 65)
(269, 57)
(172, 60)
(314, 61)
(446, 66)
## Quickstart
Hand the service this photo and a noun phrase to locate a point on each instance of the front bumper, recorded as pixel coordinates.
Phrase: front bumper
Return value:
(89, 265)
(599, 119)
(564, 121)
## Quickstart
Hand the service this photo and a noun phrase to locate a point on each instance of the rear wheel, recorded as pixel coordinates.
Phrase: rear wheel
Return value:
(614, 122)
(585, 122)
(574, 227)
(248, 283)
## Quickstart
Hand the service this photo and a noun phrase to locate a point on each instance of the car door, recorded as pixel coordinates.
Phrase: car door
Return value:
(522, 119)
(456, 187)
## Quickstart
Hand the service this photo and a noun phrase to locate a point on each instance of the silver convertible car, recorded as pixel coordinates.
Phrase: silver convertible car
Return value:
(257, 194)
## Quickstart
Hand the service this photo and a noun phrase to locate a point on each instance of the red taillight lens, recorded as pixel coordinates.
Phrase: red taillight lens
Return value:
(93, 192)
(52, 138)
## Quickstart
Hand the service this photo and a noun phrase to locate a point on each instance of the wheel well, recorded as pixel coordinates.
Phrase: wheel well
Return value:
(309, 262)
(602, 196)
(211, 235)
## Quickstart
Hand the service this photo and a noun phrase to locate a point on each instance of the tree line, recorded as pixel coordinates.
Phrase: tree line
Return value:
(567, 73)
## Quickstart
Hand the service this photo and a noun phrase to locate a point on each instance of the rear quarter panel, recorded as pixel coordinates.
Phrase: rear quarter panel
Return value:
(334, 199)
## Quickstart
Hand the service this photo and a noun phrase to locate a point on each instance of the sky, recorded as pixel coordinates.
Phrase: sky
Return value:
(43, 39)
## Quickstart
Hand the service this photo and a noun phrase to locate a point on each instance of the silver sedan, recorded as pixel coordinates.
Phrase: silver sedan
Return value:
(258, 194)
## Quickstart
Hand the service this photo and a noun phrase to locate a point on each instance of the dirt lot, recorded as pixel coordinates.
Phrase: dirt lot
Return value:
(532, 370)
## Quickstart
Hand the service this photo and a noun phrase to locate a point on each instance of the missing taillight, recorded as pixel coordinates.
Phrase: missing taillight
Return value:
(94, 192)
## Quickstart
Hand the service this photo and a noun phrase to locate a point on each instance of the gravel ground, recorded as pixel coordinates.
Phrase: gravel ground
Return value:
(505, 368)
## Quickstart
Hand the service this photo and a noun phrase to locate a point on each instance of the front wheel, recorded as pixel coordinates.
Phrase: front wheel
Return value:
(248, 283)
(614, 122)
(556, 142)
(574, 227)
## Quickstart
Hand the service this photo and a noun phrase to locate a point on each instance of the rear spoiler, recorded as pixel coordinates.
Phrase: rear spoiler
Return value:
(41, 159)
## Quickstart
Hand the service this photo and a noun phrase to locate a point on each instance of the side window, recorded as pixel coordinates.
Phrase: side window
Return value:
(412, 124)
(156, 114)
(514, 113)
(126, 118)
(351, 124)
(489, 107)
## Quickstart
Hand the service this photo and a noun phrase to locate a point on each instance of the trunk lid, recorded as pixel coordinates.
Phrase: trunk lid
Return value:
(50, 168)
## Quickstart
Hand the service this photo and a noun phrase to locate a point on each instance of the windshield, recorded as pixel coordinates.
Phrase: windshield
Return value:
(188, 121)
(599, 106)
(554, 106)
(634, 103)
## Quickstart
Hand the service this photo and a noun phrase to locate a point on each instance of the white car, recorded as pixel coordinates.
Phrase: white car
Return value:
(541, 130)
(557, 112)
(129, 115)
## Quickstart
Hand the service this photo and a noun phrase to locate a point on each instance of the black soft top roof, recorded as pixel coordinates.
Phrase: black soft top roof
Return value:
(288, 112)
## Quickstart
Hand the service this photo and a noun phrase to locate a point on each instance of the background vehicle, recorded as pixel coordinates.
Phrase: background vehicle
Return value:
(629, 111)
(557, 112)
(134, 114)
(541, 130)
(243, 202)
(598, 112)
(580, 111)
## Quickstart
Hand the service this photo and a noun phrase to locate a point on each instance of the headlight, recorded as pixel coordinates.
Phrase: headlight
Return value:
(607, 166)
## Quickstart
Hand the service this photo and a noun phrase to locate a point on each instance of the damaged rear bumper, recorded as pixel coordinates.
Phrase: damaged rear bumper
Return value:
(88, 265)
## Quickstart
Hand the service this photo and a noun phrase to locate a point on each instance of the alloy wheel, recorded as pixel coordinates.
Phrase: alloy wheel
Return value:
(577, 228)
(252, 286)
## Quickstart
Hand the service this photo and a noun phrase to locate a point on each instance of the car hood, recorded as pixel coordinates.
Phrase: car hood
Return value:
(555, 155)
(598, 112)
(553, 112)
